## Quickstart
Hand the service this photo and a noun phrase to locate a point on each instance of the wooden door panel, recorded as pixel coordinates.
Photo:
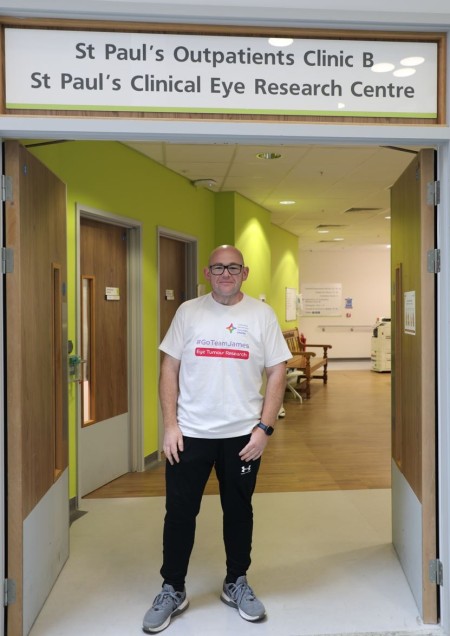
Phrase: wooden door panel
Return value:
(103, 257)
(413, 362)
(172, 278)
(35, 228)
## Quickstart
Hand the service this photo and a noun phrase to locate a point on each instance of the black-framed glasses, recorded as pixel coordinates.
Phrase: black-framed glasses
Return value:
(234, 269)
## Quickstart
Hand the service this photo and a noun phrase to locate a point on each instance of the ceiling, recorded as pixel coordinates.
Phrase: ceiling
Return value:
(341, 193)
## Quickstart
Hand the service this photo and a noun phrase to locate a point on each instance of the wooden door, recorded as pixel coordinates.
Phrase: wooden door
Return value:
(414, 380)
(36, 394)
(172, 280)
(174, 268)
(104, 432)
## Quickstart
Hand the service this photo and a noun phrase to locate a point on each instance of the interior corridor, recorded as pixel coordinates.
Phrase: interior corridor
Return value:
(323, 562)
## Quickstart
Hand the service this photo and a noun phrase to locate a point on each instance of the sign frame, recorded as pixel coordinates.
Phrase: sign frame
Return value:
(438, 39)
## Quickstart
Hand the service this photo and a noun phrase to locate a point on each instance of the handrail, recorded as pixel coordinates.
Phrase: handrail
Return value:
(360, 328)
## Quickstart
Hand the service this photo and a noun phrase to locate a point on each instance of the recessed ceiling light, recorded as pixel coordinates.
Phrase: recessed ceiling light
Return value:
(323, 231)
(387, 217)
(388, 247)
(287, 202)
(280, 41)
(268, 155)
(338, 239)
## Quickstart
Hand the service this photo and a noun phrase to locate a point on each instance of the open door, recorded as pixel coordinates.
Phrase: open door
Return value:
(414, 384)
(36, 393)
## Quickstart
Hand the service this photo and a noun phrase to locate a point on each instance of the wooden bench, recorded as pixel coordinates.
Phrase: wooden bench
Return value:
(307, 361)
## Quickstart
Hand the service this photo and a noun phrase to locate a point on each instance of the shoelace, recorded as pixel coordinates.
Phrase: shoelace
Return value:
(240, 590)
(164, 598)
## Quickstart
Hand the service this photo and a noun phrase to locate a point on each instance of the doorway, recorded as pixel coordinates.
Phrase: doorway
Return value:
(177, 279)
(109, 431)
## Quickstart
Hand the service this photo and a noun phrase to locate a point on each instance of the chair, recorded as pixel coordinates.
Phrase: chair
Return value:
(293, 377)
(306, 361)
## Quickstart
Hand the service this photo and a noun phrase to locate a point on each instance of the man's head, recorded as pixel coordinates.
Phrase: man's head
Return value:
(226, 272)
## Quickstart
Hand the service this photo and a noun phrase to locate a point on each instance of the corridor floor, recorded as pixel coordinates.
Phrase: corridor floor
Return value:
(323, 563)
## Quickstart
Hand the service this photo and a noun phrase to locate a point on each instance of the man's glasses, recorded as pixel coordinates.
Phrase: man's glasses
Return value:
(234, 269)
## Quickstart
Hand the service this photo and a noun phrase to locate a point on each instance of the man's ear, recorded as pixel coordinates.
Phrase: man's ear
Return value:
(245, 272)
(207, 273)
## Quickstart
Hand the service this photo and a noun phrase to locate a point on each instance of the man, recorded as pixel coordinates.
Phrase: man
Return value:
(216, 351)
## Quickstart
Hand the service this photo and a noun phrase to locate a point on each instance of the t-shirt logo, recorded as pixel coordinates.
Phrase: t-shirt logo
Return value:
(231, 327)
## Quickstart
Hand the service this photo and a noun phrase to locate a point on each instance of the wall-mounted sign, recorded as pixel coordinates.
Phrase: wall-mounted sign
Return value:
(321, 299)
(112, 293)
(78, 70)
(169, 294)
(409, 312)
(290, 303)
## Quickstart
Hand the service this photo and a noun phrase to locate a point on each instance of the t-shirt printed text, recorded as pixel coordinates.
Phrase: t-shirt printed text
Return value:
(221, 353)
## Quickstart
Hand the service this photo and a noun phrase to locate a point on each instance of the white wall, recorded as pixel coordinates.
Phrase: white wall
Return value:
(365, 277)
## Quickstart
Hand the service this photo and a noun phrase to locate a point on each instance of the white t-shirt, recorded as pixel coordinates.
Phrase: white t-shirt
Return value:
(224, 350)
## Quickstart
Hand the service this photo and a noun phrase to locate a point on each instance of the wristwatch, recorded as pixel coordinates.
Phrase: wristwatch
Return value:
(268, 430)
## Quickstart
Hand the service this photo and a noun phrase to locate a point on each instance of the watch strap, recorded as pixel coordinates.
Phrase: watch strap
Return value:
(268, 430)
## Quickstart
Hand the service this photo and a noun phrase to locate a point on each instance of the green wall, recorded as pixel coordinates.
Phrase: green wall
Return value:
(225, 214)
(269, 251)
(110, 177)
(284, 272)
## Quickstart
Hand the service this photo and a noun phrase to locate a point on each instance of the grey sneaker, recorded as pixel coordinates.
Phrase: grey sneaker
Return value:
(241, 596)
(168, 603)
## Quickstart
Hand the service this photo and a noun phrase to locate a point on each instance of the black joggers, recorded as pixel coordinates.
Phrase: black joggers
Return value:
(185, 483)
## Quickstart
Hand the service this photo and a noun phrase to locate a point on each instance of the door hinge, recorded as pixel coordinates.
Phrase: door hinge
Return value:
(433, 192)
(434, 261)
(7, 188)
(436, 571)
(9, 592)
(7, 260)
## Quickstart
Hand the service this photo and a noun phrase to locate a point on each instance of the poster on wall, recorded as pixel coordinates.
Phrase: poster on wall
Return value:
(321, 299)
(291, 303)
(410, 312)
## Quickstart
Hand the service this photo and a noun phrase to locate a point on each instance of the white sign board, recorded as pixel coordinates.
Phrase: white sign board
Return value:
(409, 312)
(87, 70)
(291, 303)
(321, 299)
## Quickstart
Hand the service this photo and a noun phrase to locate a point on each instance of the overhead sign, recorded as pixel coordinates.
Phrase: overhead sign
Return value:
(104, 71)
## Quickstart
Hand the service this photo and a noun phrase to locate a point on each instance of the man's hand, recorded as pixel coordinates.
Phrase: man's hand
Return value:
(173, 444)
(255, 448)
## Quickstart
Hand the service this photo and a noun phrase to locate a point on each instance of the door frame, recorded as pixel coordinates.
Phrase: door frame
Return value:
(443, 379)
(264, 133)
(2, 423)
(134, 329)
(191, 288)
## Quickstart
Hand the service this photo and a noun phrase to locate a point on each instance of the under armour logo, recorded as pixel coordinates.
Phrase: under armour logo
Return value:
(245, 469)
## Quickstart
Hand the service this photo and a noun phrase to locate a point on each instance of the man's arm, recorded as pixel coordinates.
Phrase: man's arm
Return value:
(275, 388)
(168, 396)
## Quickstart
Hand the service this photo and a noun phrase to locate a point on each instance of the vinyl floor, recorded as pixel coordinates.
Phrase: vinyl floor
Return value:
(323, 561)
